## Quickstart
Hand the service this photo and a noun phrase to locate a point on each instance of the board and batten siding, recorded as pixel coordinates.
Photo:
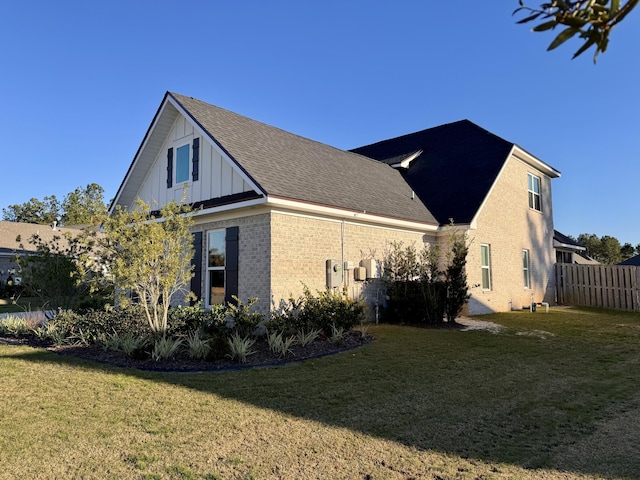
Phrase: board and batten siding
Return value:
(217, 175)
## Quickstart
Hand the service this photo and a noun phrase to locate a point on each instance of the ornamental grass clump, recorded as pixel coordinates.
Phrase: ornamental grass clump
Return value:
(337, 334)
(130, 344)
(240, 347)
(198, 347)
(110, 341)
(307, 337)
(279, 344)
(165, 348)
(14, 326)
(58, 335)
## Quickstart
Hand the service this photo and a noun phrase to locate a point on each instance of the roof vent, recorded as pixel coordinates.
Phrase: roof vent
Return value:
(406, 161)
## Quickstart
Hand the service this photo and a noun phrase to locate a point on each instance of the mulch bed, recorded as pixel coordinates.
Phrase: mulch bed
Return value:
(262, 358)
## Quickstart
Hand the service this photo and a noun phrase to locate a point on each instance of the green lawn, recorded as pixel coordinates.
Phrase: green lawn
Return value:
(551, 396)
(22, 304)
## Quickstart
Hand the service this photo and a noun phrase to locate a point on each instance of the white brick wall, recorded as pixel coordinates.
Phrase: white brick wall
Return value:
(302, 244)
(508, 225)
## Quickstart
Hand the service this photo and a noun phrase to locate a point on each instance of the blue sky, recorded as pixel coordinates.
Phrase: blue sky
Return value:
(81, 81)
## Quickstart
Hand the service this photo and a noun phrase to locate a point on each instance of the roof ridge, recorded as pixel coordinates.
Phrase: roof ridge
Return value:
(437, 127)
(259, 122)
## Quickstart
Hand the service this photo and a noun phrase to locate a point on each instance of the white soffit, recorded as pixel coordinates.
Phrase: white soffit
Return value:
(146, 154)
(334, 212)
(536, 163)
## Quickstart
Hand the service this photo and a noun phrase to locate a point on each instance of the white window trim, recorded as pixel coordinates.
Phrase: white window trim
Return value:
(526, 268)
(532, 194)
(177, 146)
(486, 267)
(216, 268)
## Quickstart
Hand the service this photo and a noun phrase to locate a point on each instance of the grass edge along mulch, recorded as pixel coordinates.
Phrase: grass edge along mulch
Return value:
(549, 396)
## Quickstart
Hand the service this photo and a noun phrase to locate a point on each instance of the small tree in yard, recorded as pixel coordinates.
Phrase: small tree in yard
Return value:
(456, 276)
(150, 256)
(63, 271)
(414, 283)
(419, 290)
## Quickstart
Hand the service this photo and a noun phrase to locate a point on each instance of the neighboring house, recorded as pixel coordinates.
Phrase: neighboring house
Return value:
(633, 261)
(567, 249)
(584, 259)
(278, 211)
(14, 240)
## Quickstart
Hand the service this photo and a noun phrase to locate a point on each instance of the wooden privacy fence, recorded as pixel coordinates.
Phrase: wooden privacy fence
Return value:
(608, 286)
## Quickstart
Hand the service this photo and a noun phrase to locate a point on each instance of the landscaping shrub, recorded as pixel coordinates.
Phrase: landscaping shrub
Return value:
(94, 326)
(14, 326)
(456, 279)
(317, 312)
(419, 291)
(200, 334)
(244, 321)
(329, 309)
(285, 318)
(63, 271)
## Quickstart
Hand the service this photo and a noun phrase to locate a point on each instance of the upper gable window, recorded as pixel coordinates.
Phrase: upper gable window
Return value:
(182, 164)
(535, 200)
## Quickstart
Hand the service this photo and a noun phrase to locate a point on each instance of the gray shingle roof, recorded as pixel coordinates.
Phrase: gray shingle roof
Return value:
(564, 240)
(289, 166)
(9, 231)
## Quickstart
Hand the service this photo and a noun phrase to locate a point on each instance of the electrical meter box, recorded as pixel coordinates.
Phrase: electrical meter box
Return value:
(334, 273)
(371, 266)
(360, 274)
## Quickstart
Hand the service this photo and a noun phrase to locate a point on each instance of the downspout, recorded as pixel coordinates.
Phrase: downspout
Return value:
(342, 253)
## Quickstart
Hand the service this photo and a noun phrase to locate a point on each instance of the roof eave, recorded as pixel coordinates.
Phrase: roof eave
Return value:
(535, 162)
(557, 244)
(150, 131)
(346, 214)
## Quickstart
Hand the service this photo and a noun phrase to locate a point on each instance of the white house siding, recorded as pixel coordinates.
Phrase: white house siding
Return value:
(217, 174)
(508, 225)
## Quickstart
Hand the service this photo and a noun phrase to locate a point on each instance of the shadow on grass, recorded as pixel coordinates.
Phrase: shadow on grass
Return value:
(551, 402)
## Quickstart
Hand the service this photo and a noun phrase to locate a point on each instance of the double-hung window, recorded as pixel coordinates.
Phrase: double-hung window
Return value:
(533, 185)
(526, 270)
(216, 261)
(485, 255)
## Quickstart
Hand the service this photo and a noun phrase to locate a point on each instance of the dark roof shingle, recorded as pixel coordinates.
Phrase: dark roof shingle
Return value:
(458, 165)
(633, 261)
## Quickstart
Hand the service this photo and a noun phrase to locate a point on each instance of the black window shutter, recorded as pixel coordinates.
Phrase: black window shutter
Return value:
(196, 280)
(231, 265)
(169, 168)
(196, 159)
